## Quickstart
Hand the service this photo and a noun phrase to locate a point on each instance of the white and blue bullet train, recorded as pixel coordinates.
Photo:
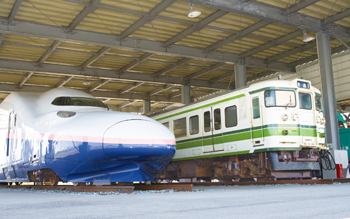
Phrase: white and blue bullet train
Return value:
(70, 136)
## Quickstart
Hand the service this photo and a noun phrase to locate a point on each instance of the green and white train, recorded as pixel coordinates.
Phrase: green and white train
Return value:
(270, 129)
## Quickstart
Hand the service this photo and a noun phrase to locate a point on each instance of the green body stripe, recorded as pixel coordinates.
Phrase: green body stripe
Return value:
(272, 88)
(204, 106)
(246, 134)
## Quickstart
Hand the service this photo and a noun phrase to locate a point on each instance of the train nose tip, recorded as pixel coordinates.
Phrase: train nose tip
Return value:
(139, 140)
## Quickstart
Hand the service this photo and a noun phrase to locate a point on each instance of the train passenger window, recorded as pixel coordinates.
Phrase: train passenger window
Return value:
(217, 119)
(256, 108)
(318, 103)
(231, 116)
(305, 101)
(194, 125)
(279, 98)
(166, 124)
(207, 122)
(180, 127)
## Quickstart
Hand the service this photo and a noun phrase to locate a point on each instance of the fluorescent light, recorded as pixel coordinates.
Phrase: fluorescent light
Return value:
(193, 13)
(307, 38)
(86, 83)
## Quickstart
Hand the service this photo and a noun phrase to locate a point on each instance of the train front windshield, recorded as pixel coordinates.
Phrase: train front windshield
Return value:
(78, 101)
(279, 98)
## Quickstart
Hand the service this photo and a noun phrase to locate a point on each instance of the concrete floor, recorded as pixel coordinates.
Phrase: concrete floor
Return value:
(281, 201)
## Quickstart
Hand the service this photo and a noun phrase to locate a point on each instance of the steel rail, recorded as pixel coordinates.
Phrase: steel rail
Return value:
(103, 189)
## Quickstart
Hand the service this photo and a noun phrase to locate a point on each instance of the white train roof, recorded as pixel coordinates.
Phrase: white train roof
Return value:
(40, 103)
(270, 83)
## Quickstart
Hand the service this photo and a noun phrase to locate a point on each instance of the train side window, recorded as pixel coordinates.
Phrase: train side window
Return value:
(166, 124)
(207, 122)
(256, 108)
(305, 101)
(318, 103)
(217, 119)
(180, 127)
(194, 125)
(231, 116)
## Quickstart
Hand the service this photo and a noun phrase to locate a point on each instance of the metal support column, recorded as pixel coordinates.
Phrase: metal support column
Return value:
(328, 92)
(146, 106)
(185, 94)
(240, 75)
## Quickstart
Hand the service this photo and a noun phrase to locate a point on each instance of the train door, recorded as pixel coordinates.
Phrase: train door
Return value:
(306, 117)
(257, 121)
(217, 129)
(10, 134)
(207, 139)
(212, 132)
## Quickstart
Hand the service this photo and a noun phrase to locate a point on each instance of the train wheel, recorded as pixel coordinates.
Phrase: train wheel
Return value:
(54, 180)
(79, 183)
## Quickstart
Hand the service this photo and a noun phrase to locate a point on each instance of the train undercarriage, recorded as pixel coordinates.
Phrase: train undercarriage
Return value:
(261, 166)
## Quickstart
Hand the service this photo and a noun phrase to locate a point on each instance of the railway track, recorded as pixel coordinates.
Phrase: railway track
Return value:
(166, 186)
(103, 189)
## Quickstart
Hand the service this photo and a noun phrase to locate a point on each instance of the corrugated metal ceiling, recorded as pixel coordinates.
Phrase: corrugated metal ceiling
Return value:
(116, 16)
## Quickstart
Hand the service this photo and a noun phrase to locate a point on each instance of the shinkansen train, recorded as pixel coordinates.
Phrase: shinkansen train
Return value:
(268, 130)
(70, 136)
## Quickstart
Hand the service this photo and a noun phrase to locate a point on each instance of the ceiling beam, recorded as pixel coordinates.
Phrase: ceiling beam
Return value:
(244, 2)
(205, 71)
(314, 57)
(337, 17)
(221, 77)
(98, 85)
(132, 64)
(176, 94)
(127, 103)
(108, 40)
(80, 17)
(2, 36)
(14, 10)
(147, 18)
(300, 5)
(130, 87)
(237, 36)
(161, 89)
(172, 67)
(306, 47)
(9, 88)
(274, 14)
(197, 27)
(25, 79)
(92, 59)
(63, 82)
(54, 69)
(49, 51)
(268, 45)
(260, 75)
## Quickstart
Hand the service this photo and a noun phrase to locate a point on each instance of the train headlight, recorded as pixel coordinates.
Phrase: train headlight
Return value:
(323, 121)
(285, 117)
(295, 117)
(318, 120)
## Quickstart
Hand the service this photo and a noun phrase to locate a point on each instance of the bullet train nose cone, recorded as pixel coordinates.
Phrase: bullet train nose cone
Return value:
(139, 140)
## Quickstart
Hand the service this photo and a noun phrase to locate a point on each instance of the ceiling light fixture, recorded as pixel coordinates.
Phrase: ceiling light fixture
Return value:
(85, 82)
(307, 38)
(193, 13)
